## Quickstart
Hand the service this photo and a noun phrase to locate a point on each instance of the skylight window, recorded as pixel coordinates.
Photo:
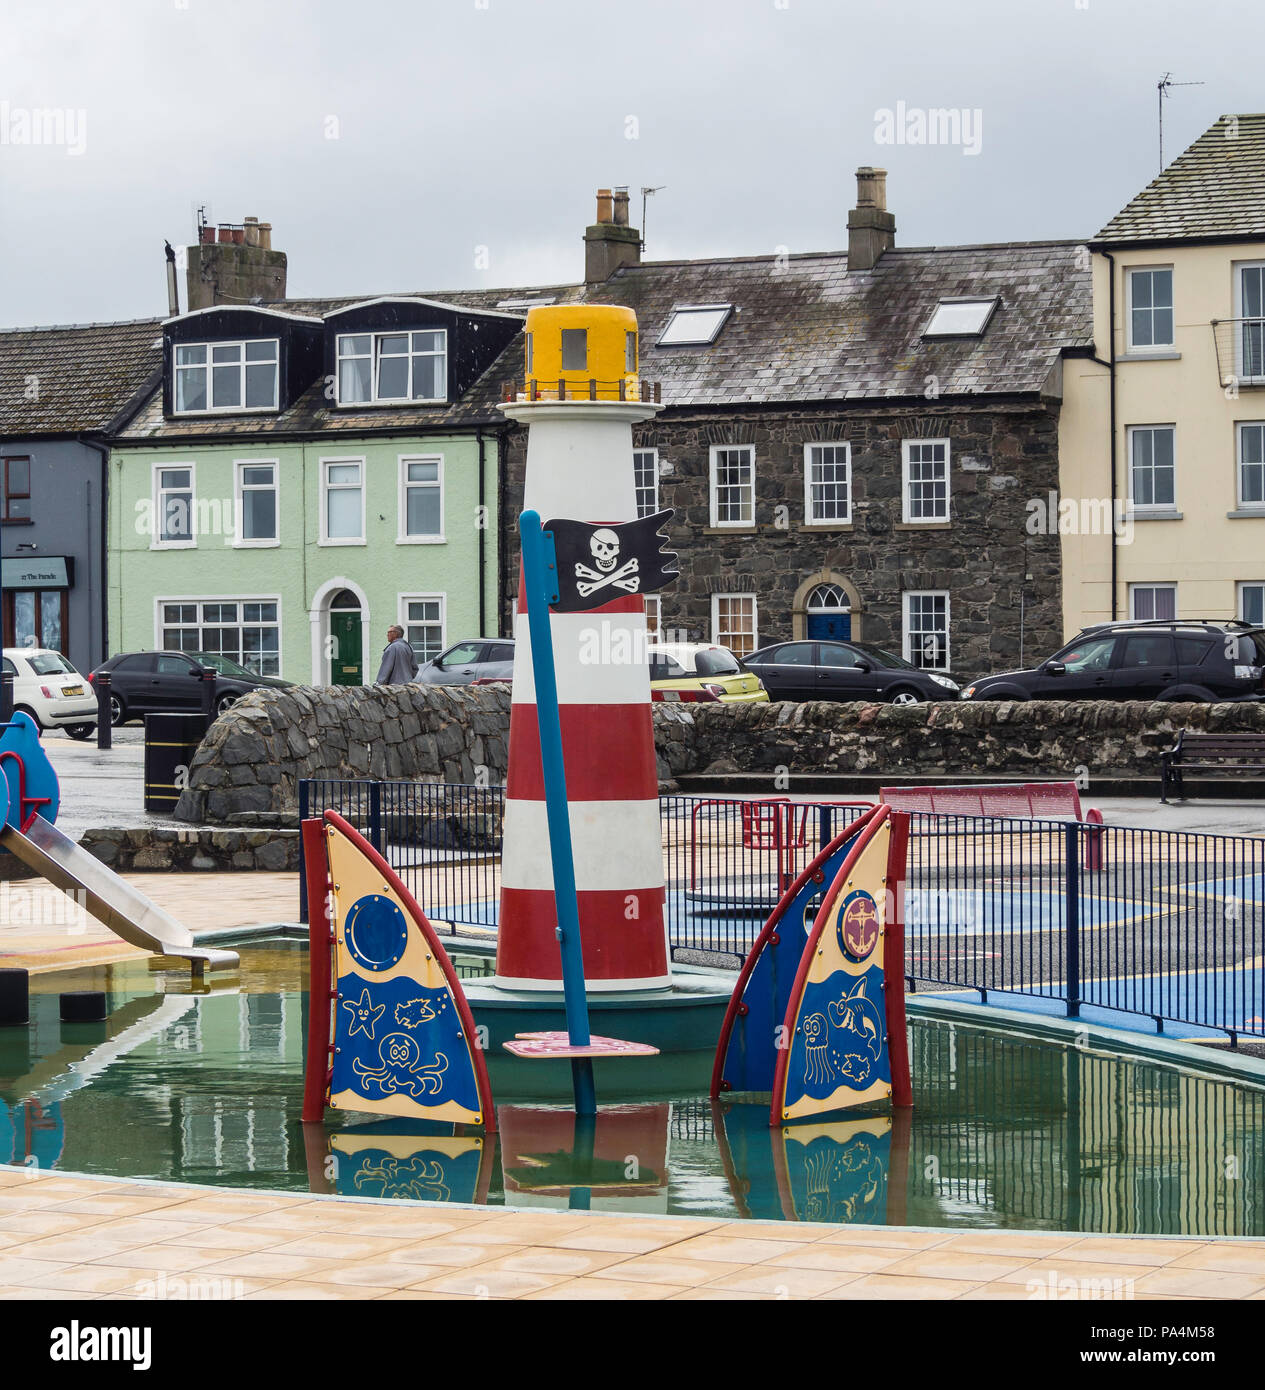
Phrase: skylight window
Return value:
(694, 325)
(960, 318)
(533, 303)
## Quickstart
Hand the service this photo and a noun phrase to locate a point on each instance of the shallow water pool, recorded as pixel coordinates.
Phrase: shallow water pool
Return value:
(1005, 1130)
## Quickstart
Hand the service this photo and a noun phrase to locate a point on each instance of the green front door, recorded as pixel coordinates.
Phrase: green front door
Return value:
(345, 666)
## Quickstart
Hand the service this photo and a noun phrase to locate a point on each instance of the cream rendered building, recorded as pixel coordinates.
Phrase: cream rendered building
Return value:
(1163, 427)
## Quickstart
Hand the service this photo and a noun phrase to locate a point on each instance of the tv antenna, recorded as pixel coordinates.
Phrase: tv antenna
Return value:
(1162, 87)
(647, 193)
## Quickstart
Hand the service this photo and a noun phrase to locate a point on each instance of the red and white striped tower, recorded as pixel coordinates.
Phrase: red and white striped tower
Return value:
(580, 466)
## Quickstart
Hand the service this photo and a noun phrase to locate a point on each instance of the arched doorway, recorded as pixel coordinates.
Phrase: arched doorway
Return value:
(346, 653)
(828, 613)
(339, 619)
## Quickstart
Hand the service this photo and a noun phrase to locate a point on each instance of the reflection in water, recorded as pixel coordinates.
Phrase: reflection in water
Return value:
(1004, 1131)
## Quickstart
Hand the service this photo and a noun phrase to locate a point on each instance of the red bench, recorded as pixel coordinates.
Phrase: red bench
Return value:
(1029, 800)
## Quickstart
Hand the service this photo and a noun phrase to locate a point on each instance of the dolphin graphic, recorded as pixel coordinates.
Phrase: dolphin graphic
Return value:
(856, 1013)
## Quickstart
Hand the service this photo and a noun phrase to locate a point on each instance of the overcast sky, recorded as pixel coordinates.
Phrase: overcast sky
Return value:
(407, 144)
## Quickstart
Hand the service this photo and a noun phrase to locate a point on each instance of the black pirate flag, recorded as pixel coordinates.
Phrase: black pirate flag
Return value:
(599, 563)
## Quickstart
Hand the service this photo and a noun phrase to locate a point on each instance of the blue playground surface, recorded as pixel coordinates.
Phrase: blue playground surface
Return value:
(1233, 994)
(1009, 908)
(1246, 888)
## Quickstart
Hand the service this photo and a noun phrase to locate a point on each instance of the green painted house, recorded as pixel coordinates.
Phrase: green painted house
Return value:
(308, 474)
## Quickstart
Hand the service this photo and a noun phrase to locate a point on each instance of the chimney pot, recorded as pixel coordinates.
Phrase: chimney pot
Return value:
(621, 207)
(251, 225)
(604, 213)
(872, 188)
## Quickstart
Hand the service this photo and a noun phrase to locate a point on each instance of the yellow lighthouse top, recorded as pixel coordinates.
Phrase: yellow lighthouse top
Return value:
(581, 352)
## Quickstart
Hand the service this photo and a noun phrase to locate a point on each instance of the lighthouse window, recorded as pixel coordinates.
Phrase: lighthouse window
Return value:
(630, 352)
(575, 349)
(380, 367)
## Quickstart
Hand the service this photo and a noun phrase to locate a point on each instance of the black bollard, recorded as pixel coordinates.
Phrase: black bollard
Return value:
(15, 996)
(105, 725)
(208, 695)
(6, 697)
(82, 1006)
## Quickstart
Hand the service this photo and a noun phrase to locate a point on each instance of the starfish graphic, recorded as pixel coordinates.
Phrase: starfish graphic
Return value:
(363, 1015)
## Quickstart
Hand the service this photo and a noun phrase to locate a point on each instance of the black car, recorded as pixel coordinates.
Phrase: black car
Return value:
(478, 659)
(150, 682)
(1188, 659)
(845, 671)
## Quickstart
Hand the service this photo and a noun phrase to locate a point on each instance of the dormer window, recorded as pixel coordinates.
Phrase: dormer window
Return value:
(226, 376)
(960, 318)
(694, 325)
(377, 368)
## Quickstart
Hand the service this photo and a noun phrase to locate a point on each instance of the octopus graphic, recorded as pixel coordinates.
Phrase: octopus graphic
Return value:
(402, 1069)
(418, 1178)
(817, 1047)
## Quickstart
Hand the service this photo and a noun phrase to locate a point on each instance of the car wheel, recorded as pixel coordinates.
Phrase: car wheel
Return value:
(225, 702)
(903, 695)
(82, 732)
(118, 711)
(30, 713)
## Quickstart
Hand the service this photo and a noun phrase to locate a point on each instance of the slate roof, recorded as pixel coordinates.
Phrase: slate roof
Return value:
(810, 330)
(804, 330)
(1216, 189)
(74, 379)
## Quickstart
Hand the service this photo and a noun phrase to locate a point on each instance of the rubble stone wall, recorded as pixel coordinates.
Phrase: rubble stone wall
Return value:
(246, 772)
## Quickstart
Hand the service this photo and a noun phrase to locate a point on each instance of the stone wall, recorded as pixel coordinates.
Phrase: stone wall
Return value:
(1001, 457)
(249, 765)
(246, 772)
(985, 739)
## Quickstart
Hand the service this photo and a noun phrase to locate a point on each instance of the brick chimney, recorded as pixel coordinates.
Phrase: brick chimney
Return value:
(610, 242)
(234, 264)
(871, 228)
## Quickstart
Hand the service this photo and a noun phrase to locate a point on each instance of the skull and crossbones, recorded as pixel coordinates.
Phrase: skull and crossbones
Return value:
(604, 544)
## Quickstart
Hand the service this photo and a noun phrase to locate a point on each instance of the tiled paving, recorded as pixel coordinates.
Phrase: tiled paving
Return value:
(88, 1238)
(42, 930)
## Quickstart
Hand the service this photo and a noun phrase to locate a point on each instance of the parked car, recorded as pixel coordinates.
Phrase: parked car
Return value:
(701, 671)
(49, 688)
(1187, 659)
(149, 682)
(477, 659)
(846, 671)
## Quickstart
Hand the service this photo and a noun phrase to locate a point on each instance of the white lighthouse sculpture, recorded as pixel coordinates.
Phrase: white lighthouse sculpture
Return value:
(579, 404)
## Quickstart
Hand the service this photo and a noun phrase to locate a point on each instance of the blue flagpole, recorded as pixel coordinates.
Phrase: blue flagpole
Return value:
(540, 582)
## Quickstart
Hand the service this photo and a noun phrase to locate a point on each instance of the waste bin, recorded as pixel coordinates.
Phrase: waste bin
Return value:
(171, 740)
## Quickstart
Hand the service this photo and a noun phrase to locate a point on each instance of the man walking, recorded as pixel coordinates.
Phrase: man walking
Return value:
(399, 665)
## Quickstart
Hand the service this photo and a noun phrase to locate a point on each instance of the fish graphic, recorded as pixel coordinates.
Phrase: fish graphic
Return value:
(413, 1012)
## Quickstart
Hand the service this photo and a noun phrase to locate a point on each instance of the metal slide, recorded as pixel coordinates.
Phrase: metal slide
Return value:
(112, 901)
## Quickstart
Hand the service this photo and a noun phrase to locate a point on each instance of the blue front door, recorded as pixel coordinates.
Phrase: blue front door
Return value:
(829, 627)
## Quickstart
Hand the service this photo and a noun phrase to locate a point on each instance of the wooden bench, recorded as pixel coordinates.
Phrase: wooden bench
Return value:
(1008, 800)
(1215, 755)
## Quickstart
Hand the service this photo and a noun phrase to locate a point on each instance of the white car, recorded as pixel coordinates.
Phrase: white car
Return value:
(48, 688)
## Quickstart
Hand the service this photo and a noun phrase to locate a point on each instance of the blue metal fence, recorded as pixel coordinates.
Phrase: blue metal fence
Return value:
(1165, 924)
